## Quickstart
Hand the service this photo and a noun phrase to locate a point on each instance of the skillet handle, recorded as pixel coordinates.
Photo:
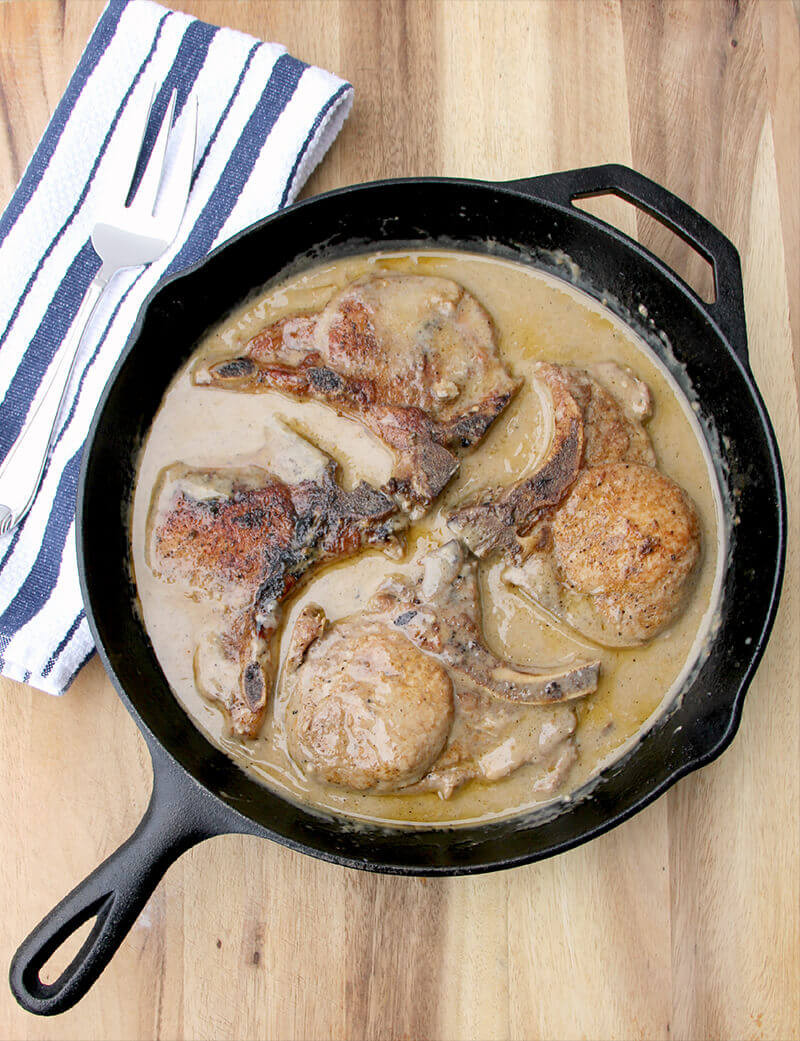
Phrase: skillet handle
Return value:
(727, 311)
(179, 815)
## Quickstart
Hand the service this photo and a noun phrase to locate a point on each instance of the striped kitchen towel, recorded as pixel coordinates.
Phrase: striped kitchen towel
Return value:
(265, 121)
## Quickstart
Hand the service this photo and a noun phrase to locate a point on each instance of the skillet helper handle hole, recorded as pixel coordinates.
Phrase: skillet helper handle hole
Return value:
(114, 894)
(727, 309)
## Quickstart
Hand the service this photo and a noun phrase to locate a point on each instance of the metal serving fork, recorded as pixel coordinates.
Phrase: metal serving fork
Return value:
(123, 237)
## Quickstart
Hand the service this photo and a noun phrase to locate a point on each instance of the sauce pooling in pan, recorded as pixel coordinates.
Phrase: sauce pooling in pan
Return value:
(522, 620)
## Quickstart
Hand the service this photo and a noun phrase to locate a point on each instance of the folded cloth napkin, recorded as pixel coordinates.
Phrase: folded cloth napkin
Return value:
(265, 121)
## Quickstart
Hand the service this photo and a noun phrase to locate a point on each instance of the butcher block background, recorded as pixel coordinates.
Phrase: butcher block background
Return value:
(683, 923)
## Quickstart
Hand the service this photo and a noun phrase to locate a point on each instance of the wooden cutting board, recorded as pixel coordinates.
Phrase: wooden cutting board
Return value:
(684, 922)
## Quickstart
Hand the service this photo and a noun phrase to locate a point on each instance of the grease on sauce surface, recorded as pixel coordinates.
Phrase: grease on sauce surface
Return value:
(536, 317)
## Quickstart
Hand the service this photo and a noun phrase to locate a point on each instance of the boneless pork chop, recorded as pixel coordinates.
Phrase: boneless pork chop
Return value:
(367, 710)
(615, 557)
(407, 696)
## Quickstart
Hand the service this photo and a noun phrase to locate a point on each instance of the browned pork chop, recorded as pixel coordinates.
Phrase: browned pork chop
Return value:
(414, 358)
(589, 425)
(367, 710)
(245, 537)
(596, 535)
(408, 697)
(616, 555)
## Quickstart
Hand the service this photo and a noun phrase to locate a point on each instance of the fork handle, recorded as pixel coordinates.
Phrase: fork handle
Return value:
(22, 469)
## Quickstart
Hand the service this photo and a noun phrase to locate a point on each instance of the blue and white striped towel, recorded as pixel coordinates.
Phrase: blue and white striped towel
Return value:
(265, 121)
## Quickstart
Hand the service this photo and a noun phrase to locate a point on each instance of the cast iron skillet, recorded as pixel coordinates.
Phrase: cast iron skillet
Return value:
(197, 791)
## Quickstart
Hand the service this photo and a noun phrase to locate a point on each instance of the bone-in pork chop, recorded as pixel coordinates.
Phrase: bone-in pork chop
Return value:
(245, 537)
(414, 358)
(408, 697)
(596, 535)
(589, 425)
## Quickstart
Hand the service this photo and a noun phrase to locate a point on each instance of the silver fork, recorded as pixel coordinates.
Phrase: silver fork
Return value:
(123, 237)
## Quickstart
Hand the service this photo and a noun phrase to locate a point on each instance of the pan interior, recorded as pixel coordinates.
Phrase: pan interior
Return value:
(535, 317)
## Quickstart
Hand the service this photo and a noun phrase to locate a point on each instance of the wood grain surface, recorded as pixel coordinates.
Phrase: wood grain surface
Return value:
(683, 923)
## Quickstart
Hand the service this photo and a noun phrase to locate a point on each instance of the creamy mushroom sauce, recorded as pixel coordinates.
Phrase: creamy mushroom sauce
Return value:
(536, 317)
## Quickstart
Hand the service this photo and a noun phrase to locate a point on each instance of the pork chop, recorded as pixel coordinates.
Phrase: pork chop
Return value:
(412, 357)
(367, 710)
(245, 537)
(616, 555)
(589, 425)
(596, 535)
(408, 697)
